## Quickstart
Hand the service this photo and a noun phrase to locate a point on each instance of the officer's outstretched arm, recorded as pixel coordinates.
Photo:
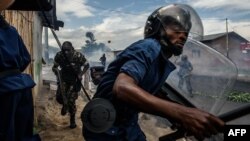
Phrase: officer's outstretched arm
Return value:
(197, 122)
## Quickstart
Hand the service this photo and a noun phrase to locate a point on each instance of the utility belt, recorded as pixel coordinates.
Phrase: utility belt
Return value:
(9, 73)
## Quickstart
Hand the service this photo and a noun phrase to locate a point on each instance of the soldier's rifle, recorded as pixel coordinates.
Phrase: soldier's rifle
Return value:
(65, 101)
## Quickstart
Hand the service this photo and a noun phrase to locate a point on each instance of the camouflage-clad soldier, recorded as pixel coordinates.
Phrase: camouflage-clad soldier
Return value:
(184, 73)
(72, 65)
(103, 60)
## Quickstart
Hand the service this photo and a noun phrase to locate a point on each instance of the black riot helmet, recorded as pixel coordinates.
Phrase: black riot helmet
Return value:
(167, 15)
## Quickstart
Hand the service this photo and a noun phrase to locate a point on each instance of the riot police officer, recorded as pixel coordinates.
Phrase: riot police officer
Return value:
(16, 100)
(133, 80)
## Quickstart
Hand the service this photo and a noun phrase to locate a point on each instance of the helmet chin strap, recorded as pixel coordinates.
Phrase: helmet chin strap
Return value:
(168, 47)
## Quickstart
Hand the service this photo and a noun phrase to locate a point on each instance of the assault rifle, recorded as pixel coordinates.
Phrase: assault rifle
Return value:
(174, 95)
(64, 98)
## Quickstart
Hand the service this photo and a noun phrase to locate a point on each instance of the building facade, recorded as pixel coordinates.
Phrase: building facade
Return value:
(233, 46)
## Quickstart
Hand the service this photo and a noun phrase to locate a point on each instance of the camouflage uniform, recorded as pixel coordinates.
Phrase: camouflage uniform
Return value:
(103, 60)
(185, 74)
(70, 83)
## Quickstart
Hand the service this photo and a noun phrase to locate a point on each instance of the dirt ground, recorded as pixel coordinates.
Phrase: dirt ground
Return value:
(53, 127)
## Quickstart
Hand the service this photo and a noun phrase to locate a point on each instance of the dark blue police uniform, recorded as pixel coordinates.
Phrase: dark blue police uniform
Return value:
(16, 102)
(144, 62)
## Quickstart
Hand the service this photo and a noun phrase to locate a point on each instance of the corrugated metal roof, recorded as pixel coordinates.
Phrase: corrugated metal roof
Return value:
(212, 36)
(218, 35)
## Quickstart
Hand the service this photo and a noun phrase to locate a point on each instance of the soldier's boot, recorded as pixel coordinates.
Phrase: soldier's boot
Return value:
(64, 111)
(72, 122)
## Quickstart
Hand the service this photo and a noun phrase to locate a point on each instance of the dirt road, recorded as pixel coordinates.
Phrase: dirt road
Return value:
(53, 127)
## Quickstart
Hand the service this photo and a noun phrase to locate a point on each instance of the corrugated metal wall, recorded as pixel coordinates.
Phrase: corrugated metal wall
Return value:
(29, 26)
(23, 21)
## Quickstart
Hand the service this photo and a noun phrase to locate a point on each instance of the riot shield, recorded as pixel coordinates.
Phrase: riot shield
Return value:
(207, 85)
(210, 80)
(203, 77)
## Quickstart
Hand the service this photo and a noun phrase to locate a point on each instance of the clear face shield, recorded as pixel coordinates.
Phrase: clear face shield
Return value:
(178, 19)
(206, 77)
(186, 17)
(174, 15)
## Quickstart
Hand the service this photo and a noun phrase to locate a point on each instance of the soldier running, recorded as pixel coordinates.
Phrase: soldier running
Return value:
(184, 73)
(72, 65)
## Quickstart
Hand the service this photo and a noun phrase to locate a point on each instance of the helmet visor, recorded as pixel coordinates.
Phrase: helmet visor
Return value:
(174, 15)
(182, 15)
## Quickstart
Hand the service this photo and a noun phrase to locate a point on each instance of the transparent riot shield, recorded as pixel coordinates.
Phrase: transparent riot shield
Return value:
(204, 78)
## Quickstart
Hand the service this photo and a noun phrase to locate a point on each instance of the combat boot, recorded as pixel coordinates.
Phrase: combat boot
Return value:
(72, 122)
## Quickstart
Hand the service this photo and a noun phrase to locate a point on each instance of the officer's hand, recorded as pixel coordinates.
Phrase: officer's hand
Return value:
(200, 124)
